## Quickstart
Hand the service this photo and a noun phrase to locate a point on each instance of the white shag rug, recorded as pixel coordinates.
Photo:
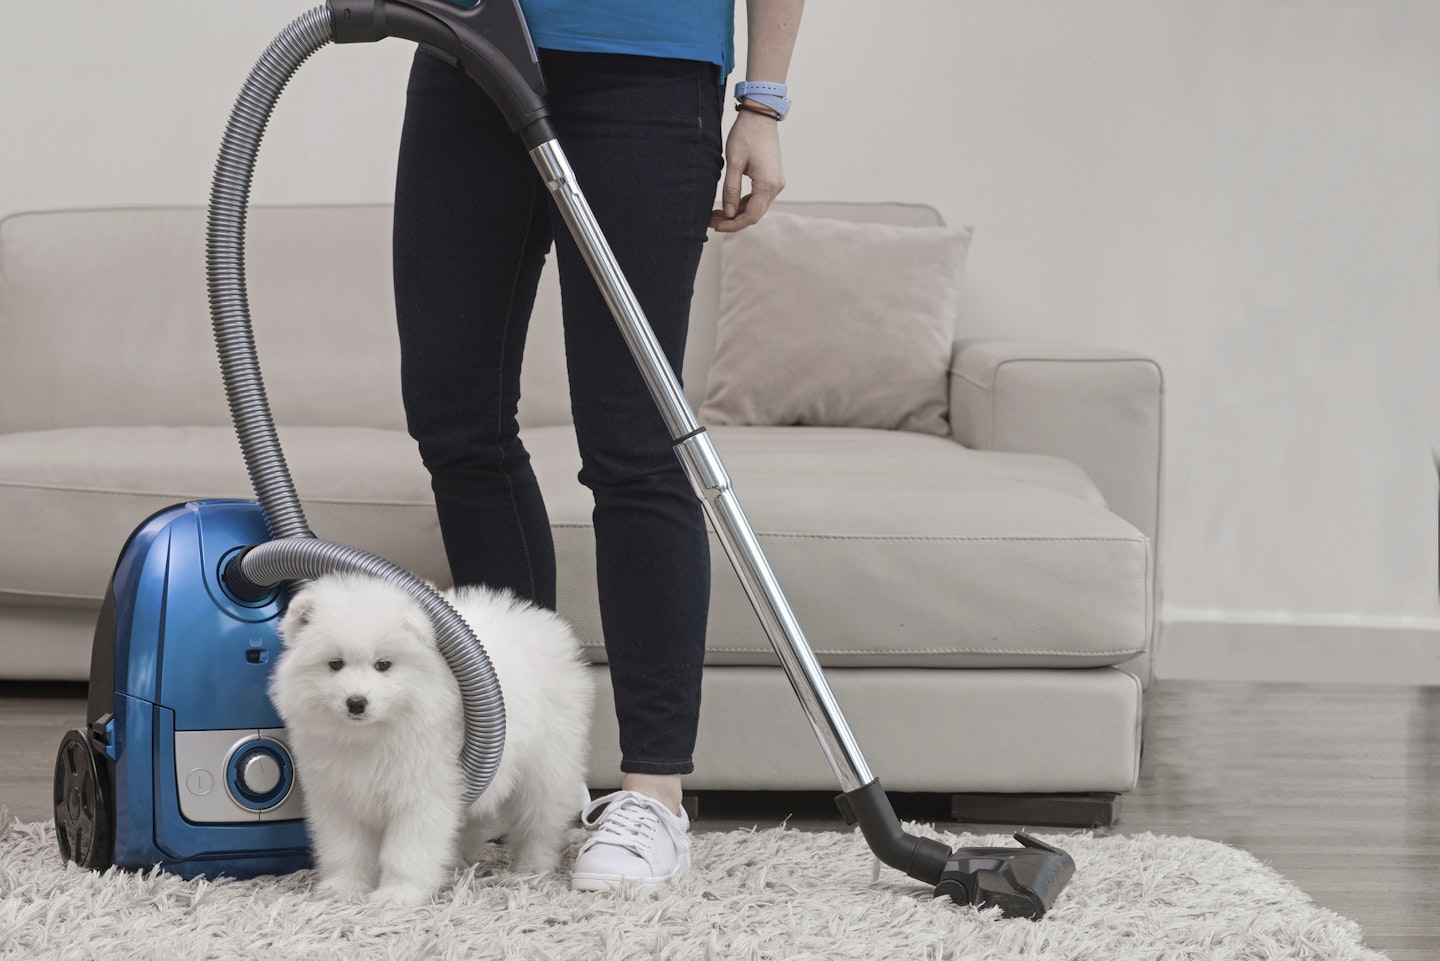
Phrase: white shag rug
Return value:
(771, 894)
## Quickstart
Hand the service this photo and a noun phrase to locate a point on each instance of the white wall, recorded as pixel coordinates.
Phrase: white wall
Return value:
(1248, 191)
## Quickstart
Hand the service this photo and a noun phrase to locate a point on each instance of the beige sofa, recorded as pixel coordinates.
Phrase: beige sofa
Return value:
(984, 603)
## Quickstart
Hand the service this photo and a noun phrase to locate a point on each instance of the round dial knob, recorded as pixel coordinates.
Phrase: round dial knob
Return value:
(259, 772)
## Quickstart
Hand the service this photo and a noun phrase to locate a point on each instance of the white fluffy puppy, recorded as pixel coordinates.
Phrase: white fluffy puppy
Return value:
(374, 717)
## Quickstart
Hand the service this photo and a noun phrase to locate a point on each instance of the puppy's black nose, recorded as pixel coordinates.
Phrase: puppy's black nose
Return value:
(356, 705)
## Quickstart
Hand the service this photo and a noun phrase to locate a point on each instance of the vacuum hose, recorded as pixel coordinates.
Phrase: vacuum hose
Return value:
(295, 553)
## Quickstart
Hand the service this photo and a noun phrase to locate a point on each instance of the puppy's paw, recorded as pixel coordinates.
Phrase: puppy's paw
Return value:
(534, 861)
(473, 852)
(402, 895)
(345, 886)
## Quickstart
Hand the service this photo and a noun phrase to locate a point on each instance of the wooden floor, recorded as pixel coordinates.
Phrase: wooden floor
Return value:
(1335, 786)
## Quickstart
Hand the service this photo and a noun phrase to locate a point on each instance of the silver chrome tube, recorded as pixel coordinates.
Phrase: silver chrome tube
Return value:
(712, 485)
(707, 476)
(296, 554)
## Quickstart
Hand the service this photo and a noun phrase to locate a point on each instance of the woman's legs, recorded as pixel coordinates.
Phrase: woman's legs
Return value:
(642, 135)
(471, 232)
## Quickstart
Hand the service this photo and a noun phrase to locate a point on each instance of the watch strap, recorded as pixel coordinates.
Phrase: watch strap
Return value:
(772, 95)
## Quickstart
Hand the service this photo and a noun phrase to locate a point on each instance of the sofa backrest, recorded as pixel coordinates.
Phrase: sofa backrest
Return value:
(104, 317)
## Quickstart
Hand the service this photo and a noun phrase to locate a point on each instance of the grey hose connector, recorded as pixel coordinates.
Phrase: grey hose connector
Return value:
(297, 558)
(295, 553)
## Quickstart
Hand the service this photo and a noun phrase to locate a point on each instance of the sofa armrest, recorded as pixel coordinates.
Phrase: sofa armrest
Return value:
(1100, 409)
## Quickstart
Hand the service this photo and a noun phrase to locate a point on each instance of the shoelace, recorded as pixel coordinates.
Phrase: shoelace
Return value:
(629, 821)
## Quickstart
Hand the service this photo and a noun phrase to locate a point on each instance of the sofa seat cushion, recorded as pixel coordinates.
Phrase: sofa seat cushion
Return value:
(898, 549)
(894, 548)
(75, 495)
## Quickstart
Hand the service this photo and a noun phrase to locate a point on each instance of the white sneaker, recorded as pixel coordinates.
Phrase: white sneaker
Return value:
(636, 839)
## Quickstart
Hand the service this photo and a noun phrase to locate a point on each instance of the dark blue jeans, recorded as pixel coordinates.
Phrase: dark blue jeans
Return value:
(473, 224)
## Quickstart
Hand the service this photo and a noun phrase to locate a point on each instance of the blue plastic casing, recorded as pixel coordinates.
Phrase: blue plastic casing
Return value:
(189, 657)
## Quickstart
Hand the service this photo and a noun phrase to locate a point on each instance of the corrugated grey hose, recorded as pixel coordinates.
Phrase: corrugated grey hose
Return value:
(296, 553)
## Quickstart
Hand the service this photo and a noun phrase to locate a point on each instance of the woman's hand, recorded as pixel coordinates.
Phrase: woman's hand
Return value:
(753, 147)
(752, 150)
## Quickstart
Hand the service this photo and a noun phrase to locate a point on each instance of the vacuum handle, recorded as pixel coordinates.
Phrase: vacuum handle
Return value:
(488, 39)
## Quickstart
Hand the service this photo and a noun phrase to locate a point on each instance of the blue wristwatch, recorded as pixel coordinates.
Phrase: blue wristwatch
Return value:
(772, 95)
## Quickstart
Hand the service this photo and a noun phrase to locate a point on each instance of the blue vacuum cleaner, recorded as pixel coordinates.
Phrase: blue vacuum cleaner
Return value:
(183, 762)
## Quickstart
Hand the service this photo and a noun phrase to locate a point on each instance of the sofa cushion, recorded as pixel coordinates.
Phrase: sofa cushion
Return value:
(831, 323)
(73, 496)
(895, 549)
(898, 549)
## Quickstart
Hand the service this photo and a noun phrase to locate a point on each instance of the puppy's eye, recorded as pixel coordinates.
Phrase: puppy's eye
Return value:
(382, 665)
(336, 664)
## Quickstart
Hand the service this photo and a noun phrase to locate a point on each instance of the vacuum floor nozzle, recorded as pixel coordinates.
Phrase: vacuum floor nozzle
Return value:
(1022, 882)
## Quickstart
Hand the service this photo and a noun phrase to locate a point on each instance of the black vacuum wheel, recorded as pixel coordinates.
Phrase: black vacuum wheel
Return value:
(82, 810)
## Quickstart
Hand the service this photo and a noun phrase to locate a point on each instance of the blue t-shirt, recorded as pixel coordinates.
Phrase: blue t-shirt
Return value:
(685, 29)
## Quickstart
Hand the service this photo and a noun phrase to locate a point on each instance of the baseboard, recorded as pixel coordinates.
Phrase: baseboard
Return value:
(1053, 810)
(1198, 645)
(1016, 810)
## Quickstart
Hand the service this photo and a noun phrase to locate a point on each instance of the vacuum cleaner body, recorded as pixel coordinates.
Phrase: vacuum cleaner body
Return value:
(192, 769)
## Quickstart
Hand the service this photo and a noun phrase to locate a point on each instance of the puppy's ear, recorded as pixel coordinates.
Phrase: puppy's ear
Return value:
(418, 624)
(297, 617)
